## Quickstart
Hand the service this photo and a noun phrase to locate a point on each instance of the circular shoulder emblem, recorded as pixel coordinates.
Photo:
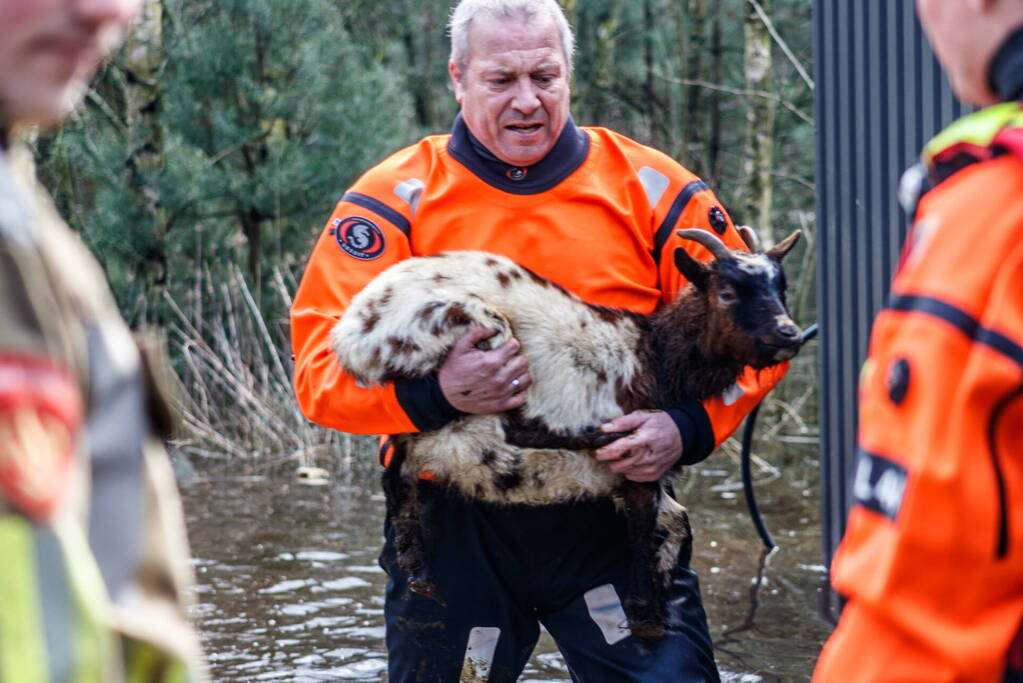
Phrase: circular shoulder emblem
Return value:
(717, 220)
(359, 237)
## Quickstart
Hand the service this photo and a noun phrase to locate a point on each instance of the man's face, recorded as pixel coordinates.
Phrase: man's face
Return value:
(514, 91)
(49, 49)
(961, 33)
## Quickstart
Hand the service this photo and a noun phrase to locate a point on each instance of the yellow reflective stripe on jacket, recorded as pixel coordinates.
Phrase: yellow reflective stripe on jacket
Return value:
(147, 664)
(92, 639)
(25, 618)
(979, 128)
(22, 639)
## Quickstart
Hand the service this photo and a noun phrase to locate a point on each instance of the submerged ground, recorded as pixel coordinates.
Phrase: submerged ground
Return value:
(289, 588)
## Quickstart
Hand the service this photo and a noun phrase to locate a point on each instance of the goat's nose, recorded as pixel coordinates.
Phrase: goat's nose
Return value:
(789, 332)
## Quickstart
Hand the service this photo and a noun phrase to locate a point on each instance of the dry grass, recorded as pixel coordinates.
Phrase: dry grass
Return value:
(238, 406)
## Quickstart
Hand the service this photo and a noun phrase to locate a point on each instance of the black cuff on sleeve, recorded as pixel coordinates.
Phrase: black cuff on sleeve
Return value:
(424, 403)
(697, 432)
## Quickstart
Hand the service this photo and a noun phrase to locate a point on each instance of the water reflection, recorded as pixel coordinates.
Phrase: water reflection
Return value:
(289, 588)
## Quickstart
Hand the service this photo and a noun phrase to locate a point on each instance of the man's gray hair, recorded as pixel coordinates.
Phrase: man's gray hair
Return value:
(464, 12)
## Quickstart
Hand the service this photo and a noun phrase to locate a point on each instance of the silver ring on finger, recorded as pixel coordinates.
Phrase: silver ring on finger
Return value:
(516, 384)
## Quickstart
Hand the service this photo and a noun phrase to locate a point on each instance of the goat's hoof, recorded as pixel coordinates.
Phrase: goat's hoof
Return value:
(592, 440)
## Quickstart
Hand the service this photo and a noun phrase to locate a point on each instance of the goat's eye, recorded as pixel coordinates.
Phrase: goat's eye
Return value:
(727, 295)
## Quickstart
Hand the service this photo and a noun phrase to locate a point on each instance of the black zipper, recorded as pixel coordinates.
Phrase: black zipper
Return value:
(992, 426)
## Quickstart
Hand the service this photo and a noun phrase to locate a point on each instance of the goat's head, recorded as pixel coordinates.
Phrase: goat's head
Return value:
(745, 293)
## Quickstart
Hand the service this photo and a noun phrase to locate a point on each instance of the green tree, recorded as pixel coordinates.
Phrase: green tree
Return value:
(229, 139)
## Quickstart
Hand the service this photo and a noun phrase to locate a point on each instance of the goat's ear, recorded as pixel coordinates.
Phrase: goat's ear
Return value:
(780, 250)
(749, 236)
(691, 269)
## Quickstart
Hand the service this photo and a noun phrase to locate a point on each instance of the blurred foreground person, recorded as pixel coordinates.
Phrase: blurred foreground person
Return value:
(932, 559)
(94, 563)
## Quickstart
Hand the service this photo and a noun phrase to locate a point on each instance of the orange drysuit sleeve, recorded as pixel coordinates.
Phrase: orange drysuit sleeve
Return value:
(326, 394)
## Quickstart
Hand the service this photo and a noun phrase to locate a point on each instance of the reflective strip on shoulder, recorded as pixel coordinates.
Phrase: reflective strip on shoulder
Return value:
(732, 394)
(410, 192)
(93, 643)
(654, 183)
(22, 635)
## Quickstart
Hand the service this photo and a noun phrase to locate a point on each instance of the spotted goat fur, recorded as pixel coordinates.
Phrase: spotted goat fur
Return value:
(589, 364)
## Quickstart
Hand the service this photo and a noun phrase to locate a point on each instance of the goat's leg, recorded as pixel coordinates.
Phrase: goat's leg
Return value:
(401, 494)
(533, 433)
(643, 602)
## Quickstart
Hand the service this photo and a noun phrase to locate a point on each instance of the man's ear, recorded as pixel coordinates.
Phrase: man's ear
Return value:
(456, 81)
(696, 272)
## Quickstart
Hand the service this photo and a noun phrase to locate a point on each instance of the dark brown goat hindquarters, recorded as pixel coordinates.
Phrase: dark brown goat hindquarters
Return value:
(589, 364)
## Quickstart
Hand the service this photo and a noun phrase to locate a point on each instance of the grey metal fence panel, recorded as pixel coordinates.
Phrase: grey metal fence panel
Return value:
(880, 95)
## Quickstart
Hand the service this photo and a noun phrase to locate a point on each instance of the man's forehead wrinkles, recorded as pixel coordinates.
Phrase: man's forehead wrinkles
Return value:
(508, 70)
(508, 64)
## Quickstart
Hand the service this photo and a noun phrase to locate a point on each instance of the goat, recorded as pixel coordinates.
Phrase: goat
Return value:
(589, 364)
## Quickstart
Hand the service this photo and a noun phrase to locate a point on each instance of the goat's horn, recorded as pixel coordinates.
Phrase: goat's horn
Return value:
(749, 236)
(707, 239)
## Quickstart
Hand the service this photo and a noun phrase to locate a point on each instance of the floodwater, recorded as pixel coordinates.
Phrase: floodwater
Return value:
(289, 589)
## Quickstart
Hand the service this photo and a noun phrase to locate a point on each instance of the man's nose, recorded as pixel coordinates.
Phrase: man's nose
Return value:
(525, 99)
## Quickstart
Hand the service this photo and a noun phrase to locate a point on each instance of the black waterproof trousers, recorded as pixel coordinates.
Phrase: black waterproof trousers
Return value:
(502, 570)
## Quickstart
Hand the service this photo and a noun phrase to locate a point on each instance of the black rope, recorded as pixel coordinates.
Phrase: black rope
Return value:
(747, 449)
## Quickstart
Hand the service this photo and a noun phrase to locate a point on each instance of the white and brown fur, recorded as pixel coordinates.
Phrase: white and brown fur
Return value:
(589, 364)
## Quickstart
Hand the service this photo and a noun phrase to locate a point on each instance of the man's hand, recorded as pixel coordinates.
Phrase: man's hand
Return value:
(649, 451)
(483, 382)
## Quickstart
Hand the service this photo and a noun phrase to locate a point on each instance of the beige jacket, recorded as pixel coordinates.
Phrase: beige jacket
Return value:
(81, 460)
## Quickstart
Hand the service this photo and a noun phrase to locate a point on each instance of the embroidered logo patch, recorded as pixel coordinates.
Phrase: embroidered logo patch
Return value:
(40, 414)
(359, 237)
(717, 220)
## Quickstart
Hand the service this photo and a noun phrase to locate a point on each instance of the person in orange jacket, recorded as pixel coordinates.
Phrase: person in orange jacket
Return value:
(591, 210)
(932, 558)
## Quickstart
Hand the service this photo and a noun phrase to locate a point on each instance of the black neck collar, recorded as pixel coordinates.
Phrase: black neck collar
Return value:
(1005, 75)
(568, 154)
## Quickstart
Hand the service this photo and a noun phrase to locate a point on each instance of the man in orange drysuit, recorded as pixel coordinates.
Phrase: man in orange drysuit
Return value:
(591, 210)
(932, 559)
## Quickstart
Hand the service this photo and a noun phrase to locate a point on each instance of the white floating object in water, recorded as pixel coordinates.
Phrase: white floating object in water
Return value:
(312, 476)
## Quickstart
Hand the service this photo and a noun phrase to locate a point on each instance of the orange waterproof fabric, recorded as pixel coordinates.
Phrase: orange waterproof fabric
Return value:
(593, 233)
(935, 586)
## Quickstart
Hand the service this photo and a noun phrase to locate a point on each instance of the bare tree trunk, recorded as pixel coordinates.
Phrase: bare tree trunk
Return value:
(714, 100)
(143, 99)
(252, 226)
(760, 117)
(693, 46)
(418, 22)
(649, 94)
